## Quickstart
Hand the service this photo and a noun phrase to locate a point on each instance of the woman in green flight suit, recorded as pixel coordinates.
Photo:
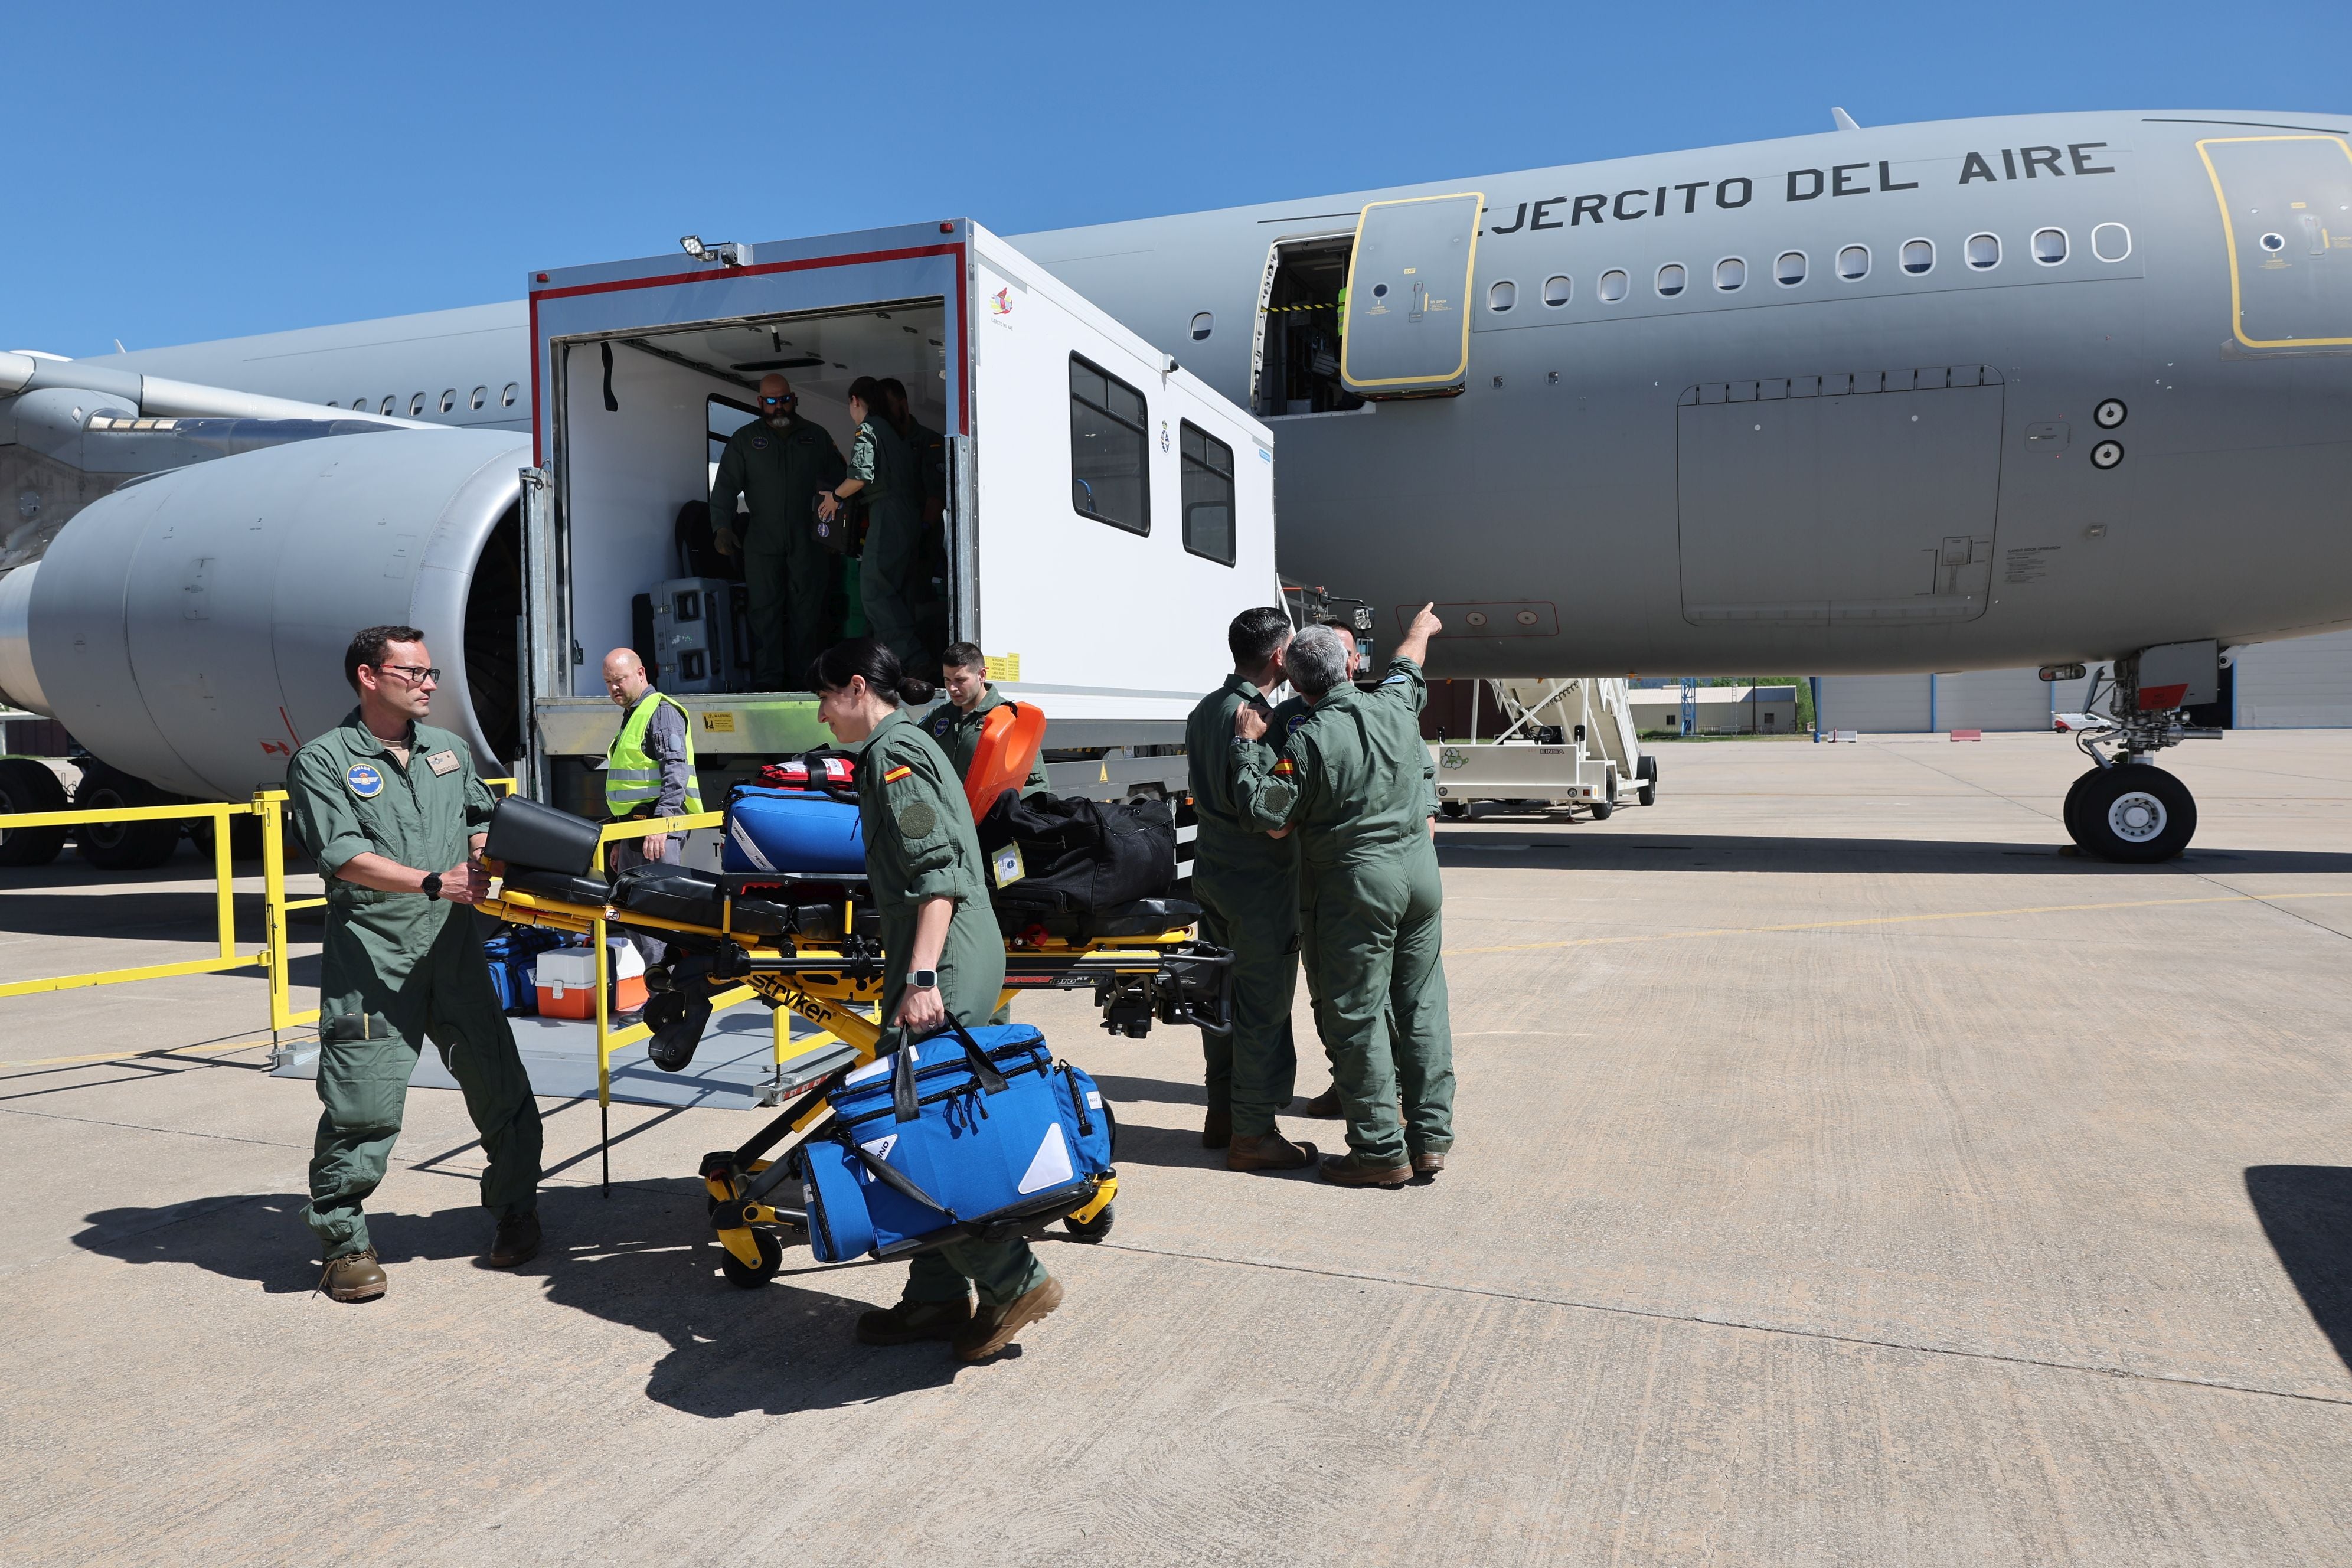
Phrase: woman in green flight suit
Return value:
(943, 958)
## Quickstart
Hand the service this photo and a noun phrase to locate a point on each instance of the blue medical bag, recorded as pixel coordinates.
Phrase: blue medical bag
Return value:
(955, 1135)
(511, 955)
(790, 830)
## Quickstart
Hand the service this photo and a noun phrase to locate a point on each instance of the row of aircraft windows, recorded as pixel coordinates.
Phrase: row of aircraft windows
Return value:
(417, 401)
(2051, 247)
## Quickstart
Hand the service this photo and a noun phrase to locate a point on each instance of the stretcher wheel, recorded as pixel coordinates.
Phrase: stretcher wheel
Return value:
(1092, 1230)
(744, 1277)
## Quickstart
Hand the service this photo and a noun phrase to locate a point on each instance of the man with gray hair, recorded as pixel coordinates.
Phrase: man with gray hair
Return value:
(1353, 780)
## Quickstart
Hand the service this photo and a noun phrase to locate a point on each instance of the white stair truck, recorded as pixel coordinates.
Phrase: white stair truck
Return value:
(1106, 513)
(1567, 742)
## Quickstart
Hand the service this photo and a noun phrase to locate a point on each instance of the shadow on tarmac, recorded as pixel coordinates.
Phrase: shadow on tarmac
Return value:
(2306, 1213)
(1606, 849)
(643, 1259)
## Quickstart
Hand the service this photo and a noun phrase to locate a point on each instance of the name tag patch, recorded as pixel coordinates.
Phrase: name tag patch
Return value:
(365, 781)
(442, 762)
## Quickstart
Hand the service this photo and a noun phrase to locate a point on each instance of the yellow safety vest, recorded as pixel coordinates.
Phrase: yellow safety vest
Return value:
(633, 779)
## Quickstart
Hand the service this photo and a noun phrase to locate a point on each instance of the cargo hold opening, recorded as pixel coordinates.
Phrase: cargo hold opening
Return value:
(1299, 330)
(644, 419)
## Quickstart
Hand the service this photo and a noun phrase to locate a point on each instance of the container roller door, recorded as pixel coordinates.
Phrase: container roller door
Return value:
(2286, 215)
(1407, 325)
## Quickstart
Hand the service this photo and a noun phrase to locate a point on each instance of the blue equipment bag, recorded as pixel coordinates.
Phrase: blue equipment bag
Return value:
(790, 830)
(512, 954)
(966, 1132)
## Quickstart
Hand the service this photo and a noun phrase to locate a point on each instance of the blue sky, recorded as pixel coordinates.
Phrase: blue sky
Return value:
(178, 173)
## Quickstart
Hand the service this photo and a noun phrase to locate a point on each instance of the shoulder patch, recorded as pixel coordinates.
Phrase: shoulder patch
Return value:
(1396, 680)
(759, 443)
(894, 775)
(365, 781)
(940, 725)
(916, 819)
(1282, 767)
(1298, 722)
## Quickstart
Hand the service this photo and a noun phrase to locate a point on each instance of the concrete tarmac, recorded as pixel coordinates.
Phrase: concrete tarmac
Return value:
(1846, 1176)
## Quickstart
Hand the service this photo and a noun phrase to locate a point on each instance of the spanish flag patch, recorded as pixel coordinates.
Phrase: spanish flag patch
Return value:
(894, 775)
(1283, 766)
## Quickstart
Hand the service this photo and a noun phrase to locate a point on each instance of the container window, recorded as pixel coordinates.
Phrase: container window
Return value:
(1730, 273)
(1502, 296)
(1918, 257)
(1612, 286)
(2110, 242)
(1109, 476)
(1789, 270)
(1672, 278)
(1203, 325)
(2049, 246)
(1854, 262)
(1208, 473)
(507, 398)
(1558, 289)
(481, 396)
(1984, 252)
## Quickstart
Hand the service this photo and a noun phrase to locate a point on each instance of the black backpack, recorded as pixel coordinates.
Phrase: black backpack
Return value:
(1080, 856)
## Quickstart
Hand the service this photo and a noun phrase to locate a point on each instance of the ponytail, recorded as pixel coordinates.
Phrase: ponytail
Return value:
(885, 676)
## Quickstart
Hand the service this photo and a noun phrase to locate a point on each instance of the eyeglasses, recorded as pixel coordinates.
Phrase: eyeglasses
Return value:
(415, 674)
(786, 400)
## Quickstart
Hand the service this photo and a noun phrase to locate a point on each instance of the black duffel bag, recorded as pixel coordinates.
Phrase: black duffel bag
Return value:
(1079, 857)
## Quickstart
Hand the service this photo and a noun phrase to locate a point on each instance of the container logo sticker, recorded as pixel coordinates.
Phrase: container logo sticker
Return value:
(1001, 302)
(365, 781)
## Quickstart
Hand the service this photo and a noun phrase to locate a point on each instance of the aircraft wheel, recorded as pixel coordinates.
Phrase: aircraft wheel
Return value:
(746, 1278)
(123, 845)
(2071, 813)
(28, 785)
(2135, 812)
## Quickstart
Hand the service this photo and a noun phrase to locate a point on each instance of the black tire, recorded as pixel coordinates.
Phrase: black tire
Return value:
(1646, 795)
(1601, 809)
(1092, 1230)
(1646, 770)
(1453, 810)
(2135, 812)
(2071, 812)
(28, 785)
(744, 1278)
(122, 845)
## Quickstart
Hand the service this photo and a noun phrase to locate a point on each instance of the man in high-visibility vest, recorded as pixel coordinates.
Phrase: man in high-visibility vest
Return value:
(649, 771)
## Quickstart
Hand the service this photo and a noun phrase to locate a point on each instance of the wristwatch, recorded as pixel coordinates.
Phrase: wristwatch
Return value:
(923, 979)
(432, 884)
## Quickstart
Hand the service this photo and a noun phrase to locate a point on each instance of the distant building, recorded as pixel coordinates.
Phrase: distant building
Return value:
(1722, 710)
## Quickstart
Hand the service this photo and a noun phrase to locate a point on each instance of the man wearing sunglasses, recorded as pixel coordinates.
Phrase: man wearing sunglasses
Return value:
(777, 463)
(393, 815)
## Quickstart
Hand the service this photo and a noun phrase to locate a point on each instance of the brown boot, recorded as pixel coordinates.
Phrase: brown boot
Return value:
(1324, 1107)
(910, 1320)
(994, 1327)
(1348, 1171)
(1270, 1151)
(1428, 1164)
(353, 1277)
(1217, 1127)
(516, 1242)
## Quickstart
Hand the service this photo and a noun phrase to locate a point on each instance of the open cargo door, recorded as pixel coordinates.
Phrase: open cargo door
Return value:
(1406, 330)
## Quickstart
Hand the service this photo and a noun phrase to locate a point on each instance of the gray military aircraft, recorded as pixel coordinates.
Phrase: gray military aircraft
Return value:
(1962, 395)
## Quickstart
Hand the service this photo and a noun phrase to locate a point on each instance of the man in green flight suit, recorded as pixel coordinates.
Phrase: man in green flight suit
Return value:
(1352, 779)
(777, 463)
(394, 815)
(970, 699)
(1246, 882)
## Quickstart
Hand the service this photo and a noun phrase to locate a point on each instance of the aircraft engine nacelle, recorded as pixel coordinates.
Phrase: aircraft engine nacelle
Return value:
(189, 628)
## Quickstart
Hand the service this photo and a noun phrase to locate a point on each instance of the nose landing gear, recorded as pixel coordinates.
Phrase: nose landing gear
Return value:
(2126, 808)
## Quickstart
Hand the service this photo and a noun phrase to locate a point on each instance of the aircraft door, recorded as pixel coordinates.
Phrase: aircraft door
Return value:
(2286, 217)
(1406, 329)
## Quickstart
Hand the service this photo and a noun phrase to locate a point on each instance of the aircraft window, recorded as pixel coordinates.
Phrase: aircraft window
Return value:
(1854, 262)
(1671, 278)
(415, 404)
(1730, 273)
(1918, 257)
(1558, 289)
(1208, 476)
(481, 396)
(1203, 325)
(1790, 271)
(1108, 450)
(1984, 252)
(387, 405)
(1503, 295)
(506, 398)
(448, 399)
(2049, 246)
(2110, 242)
